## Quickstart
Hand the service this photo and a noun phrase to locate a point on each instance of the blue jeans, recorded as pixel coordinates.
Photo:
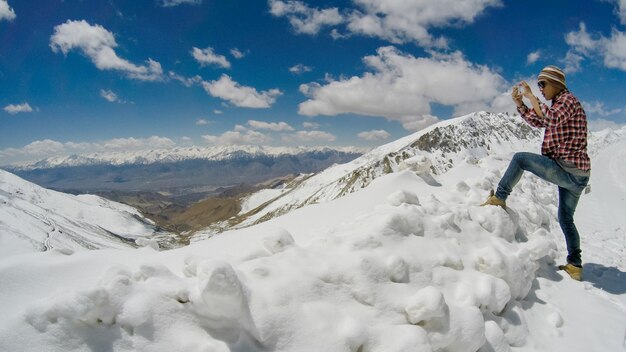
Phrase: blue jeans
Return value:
(570, 189)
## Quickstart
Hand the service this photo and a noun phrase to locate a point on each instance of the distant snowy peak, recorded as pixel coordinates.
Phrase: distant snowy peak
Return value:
(179, 154)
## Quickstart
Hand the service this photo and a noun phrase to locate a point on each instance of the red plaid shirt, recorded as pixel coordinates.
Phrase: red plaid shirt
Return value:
(565, 136)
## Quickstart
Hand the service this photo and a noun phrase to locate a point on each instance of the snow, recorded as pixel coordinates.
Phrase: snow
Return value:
(33, 219)
(404, 264)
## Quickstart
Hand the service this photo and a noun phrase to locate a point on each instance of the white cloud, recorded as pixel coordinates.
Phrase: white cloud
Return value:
(237, 54)
(300, 69)
(391, 20)
(218, 112)
(309, 136)
(186, 81)
(573, 62)
(43, 147)
(602, 124)
(598, 108)
(621, 10)
(239, 136)
(209, 57)
(172, 3)
(313, 125)
(6, 12)
(585, 45)
(582, 41)
(46, 148)
(402, 88)
(109, 95)
(202, 122)
(124, 144)
(374, 135)
(227, 89)
(615, 50)
(19, 108)
(410, 21)
(533, 57)
(303, 18)
(272, 126)
(98, 44)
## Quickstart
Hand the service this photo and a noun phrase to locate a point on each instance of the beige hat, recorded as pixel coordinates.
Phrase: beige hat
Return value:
(553, 75)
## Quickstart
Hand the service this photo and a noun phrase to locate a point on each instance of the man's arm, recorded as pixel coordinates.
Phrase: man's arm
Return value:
(534, 116)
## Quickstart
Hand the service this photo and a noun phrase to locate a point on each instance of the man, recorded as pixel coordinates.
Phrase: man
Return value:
(563, 160)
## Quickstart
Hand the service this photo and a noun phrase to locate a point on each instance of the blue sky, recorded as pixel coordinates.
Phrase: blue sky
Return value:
(95, 76)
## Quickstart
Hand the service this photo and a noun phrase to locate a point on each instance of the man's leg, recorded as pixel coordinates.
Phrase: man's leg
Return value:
(568, 201)
(540, 165)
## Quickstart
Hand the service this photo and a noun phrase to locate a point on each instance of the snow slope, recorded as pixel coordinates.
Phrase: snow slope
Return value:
(437, 148)
(36, 219)
(408, 263)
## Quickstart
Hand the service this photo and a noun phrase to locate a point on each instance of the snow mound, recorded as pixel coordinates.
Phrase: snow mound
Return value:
(427, 277)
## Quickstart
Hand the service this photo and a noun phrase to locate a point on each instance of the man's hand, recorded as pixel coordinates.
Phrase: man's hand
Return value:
(517, 96)
(524, 90)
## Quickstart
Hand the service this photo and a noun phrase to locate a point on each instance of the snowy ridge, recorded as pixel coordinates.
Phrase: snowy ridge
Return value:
(175, 155)
(433, 150)
(33, 218)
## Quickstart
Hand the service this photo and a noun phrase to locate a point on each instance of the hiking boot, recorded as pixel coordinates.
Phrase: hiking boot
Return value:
(575, 272)
(493, 200)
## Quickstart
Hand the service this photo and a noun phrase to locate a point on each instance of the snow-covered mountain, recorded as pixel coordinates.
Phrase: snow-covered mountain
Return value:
(178, 154)
(180, 171)
(433, 150)
(36, 219)
(406, 260)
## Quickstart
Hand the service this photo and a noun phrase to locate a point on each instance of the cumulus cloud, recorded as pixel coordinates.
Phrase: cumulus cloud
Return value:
(533, 57)
(227, 89)
(172, 3)
(6, 12)
(410, 21)
(239, 136)
(303, 18)
(18, 108)
(46, 148)
(612, 50)
(300, 69)
(209, 57)
(374, 135)
(401, 87)
(272, 126)
(391, 20)
(98, 44)
(309, 136)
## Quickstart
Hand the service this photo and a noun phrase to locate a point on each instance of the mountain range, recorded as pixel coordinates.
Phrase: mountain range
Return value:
(178, 171)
